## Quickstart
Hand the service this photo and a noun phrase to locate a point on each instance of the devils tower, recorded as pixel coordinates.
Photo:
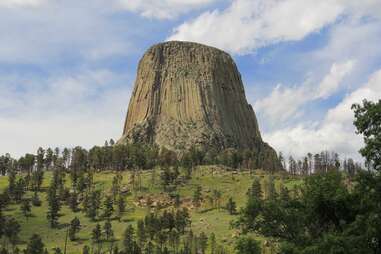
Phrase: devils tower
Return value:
(188, 94)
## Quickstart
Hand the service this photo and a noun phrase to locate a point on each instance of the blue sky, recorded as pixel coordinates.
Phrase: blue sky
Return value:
(67, 67)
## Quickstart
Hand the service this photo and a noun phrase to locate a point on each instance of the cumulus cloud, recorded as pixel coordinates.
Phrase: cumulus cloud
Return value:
(336, 132)
(247, 25)
(67, 110)
(165, 9)
(286, 102)
(58, 31)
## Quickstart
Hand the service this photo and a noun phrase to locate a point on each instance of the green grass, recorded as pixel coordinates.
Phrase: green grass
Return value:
(204, 219)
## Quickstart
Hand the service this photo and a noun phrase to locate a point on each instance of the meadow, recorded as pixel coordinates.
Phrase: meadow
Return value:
(206, 218)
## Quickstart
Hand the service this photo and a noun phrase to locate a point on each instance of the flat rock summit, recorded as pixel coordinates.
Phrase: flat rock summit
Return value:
(188, 94)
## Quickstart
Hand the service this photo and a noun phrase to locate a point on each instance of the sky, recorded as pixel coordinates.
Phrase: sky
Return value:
(67, 67)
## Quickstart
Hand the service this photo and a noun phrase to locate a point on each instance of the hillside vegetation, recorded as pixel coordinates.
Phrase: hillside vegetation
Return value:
(208, 218)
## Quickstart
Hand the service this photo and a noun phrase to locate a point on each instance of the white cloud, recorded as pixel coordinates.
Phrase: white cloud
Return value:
(332, 81)
(247, 25)
(285, 103)
(59, 30)
(335, 133)
(163, 9)
(84, 108)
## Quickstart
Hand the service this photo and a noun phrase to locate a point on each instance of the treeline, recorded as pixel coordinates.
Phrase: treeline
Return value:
(121, 157)
(322, 162)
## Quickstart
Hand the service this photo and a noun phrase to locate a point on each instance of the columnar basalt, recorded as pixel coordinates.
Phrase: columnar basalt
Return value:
(187, 94)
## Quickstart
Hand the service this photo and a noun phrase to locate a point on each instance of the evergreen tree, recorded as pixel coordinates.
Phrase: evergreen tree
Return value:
(247, 245)
(86, 250)
(231, 206)
(107, 228)
(36, 200)
(73, 201)
(108, 207)
(213, 243)
(141, 233)
(256, 189)
(93, 204)
(128, 240)
(57, 250)
(121, 203)
(197, 196)
(75, 226)
(54, 206)
(35, 245)
(26, 208)
(96, 234)
(203, 242)
(11, 230)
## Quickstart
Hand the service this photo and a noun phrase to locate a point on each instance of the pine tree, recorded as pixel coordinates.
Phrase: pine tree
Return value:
(54, 206)
(197, 196)
(11, 230)
(231, 206)
(107, 228)
(121, 203)
(141, 233)
(96, 234)
(203, 242)
(256, 189)
(128, 240)
(26, 208)
(75, 226)
(108, 207)
(213, 243)
(35, 245)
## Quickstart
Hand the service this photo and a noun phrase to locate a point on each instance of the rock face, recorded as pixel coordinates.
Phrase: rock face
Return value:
(188, 94)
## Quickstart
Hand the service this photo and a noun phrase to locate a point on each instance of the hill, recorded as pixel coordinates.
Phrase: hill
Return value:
(208, 218)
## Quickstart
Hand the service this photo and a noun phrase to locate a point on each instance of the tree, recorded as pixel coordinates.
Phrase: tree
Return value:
(231, 206)
(93, 204)
(73, 201)
(256, 189)
(86, 250)
(75, 226)
(128, 240)
(121, 203)
(36, 199)
(107, 228)
(213, 243)
(247, 245)
(108, 207)
(57, 250)
(54, 207)
(270, 188)
(11, 230)
(217, 198)
(116, 182)
(368, 123)
(203, 242)
(197, 196)
(35, 245)
(141, 233)
(96, 234)
(26, 208)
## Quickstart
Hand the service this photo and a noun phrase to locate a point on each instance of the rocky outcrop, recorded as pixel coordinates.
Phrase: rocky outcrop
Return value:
(188, 94)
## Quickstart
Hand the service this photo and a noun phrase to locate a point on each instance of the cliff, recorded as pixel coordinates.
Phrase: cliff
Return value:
(188, 94)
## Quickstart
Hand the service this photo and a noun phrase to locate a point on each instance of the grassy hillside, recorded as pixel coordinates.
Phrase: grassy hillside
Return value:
(204, 219)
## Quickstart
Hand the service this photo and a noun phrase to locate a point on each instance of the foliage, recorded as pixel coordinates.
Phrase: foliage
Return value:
(368, 123)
